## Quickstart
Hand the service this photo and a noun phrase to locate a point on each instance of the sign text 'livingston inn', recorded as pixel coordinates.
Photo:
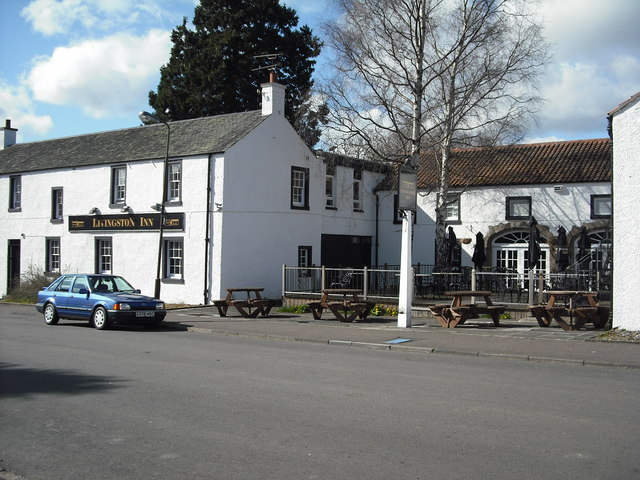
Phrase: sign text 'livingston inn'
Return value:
(172, 221)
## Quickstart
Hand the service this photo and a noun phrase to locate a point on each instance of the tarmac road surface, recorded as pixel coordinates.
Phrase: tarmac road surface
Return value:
(129, 403)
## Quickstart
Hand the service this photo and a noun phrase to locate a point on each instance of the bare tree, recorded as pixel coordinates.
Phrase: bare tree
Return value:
(412, 75)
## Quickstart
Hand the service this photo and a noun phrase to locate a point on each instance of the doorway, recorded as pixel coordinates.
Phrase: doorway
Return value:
(13, 265)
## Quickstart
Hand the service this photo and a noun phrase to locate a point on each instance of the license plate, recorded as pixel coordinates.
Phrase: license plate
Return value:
(148, 313)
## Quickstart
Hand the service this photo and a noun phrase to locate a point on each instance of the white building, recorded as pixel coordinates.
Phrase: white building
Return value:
(625, 129)
(244, 196)
(495, 191)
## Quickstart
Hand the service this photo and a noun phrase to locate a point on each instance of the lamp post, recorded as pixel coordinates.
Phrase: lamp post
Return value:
(148, 118)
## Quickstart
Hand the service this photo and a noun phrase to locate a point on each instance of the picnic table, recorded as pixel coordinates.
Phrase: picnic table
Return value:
(249, 307)
(457, 312)
(346, 308)
(572, 312)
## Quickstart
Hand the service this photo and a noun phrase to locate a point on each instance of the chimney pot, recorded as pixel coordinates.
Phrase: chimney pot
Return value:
(7, 135)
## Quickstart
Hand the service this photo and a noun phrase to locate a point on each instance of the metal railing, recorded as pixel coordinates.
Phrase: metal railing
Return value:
(383, 282)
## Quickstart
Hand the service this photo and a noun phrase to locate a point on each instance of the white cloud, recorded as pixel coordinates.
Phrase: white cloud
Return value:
(51, 17)
(79, 17)
(110, 76)
(592, 28)
(16, 105)
(596, 65)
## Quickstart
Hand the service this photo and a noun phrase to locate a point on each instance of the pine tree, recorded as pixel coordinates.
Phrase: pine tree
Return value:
(212, 69)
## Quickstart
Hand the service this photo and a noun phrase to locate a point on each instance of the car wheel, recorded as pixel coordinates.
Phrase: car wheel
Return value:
(100, 319)
(50, 314)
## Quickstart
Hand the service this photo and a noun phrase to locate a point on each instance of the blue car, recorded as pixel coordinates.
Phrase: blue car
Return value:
(101, 299)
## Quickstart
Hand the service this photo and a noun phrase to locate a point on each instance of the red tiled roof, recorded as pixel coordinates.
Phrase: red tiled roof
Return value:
(540, 163)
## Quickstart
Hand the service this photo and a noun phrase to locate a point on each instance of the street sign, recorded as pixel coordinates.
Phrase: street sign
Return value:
(407, 188)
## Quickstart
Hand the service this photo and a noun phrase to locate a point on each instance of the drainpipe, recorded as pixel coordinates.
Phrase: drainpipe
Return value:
(207, 238)
(377, 227)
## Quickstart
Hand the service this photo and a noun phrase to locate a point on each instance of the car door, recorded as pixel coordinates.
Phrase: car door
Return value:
(60, 295)
(79, 303)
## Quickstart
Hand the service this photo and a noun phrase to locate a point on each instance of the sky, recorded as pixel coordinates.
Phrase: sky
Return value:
(69, 67)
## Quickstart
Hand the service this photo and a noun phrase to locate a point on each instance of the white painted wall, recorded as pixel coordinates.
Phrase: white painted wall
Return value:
(626, 202)
(258, 230)
(481, 209)
(134, 253)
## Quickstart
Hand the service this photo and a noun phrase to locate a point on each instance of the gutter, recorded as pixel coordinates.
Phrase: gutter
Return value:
(207, 238)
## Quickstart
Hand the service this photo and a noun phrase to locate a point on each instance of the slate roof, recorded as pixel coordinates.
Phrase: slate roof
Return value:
(528, 164)
(188, 137)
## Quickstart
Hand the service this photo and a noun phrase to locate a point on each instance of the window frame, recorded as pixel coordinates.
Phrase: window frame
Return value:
(99, 256)
(356, 190)
(57, 206)
(511, 201)
(330, 195)
(305, 253)
(114, 199)
(453, 198)
(301, 203)
(174, 198)
(594, 200)
(15, 193)
(52, 254)
(168, 263)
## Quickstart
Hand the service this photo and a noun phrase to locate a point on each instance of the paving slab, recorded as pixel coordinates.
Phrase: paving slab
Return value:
(514, 340)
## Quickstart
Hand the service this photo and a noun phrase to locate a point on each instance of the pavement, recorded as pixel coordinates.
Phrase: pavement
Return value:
(513, 340)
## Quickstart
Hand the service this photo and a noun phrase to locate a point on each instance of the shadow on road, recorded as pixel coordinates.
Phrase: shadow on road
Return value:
(16, 381)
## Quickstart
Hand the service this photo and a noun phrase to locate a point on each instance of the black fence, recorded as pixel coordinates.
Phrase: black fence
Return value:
(384, 282)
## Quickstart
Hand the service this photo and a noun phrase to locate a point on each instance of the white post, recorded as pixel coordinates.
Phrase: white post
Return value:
(531, 286)
(406, 273)
(474, 284)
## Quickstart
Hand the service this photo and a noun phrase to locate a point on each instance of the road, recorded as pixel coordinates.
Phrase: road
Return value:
(122, 404)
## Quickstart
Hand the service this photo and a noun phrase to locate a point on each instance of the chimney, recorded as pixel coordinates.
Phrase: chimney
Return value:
(7, 135)
(272, 96)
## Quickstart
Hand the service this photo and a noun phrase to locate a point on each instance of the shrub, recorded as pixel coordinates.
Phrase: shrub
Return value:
(31, 282)
(296, 309)
(380, 310)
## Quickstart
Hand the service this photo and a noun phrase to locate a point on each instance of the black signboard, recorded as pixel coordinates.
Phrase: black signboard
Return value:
(407, 188)
(143, 221)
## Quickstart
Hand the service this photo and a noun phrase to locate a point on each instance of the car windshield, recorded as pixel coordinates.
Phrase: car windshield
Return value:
(106, 284)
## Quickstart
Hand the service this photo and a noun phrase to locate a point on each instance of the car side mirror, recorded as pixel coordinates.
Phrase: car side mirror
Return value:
(83, 291)
(137, 290)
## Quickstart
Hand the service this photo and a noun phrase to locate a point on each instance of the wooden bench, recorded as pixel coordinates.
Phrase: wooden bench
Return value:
(540, 312)
(346, 309)
(249, 307)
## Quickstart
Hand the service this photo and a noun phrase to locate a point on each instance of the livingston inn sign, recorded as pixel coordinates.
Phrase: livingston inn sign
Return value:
(151, 221)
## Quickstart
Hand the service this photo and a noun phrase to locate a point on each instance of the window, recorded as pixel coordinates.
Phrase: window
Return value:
(52, 263)
(304, 256)
(173, 259)
(104, 259)
(79, 284)
(329, 192)
(300, 188)
(118, 185)
(56, 204)
(452, 208)
(65, 284)
(174, 179)
(518, 208)
(600, 206)
(15, 193)
(357, 196)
